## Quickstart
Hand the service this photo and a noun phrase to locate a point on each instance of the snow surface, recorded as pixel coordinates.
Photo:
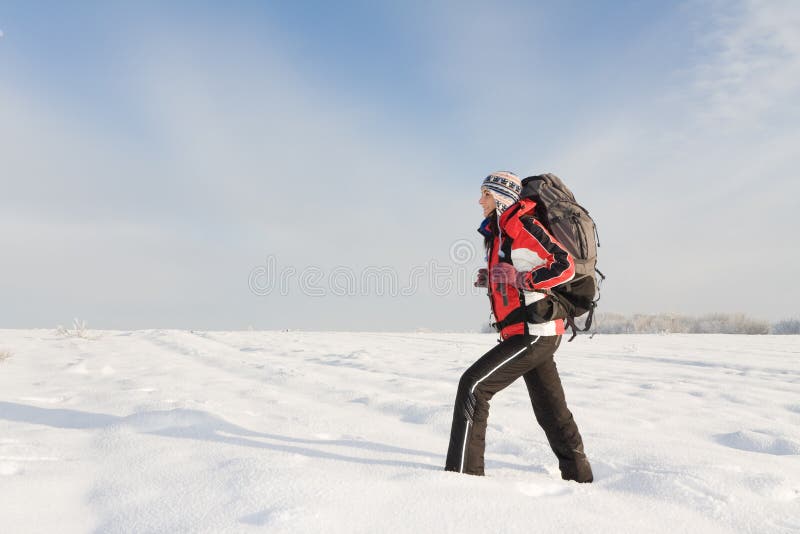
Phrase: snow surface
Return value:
(176, 431)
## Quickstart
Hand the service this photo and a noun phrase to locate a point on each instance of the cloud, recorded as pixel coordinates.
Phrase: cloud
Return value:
(754, 72)
(693, 192)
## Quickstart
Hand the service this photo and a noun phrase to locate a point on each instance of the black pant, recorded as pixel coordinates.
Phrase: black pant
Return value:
(531, 358)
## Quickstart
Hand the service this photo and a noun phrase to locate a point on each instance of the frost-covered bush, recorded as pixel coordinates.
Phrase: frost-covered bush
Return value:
(713, 323)
(79, 329)
(787, 327)
(722, 323)
(613, 323)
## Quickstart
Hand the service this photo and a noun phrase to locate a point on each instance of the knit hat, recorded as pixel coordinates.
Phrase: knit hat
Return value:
(505, 187)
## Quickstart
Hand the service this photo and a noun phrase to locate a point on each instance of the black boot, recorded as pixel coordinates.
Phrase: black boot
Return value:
(578, 469)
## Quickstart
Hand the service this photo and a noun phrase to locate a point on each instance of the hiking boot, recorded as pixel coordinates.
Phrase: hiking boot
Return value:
(580, 470)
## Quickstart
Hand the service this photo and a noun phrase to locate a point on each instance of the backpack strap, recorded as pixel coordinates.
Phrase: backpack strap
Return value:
(588, 324)
(571, 323)
(517, 315)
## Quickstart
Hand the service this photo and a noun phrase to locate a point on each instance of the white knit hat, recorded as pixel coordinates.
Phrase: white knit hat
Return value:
(505, 187)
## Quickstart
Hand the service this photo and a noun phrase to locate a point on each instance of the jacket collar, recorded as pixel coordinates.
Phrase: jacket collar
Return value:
(523, 206)
(485, 229)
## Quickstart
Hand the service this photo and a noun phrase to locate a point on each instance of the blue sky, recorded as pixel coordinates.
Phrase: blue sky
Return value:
(154, 156)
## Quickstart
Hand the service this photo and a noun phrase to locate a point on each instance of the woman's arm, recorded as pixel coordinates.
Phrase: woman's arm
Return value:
(553, 264)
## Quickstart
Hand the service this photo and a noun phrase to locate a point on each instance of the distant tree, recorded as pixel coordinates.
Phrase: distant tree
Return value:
(670, 323)
(741, 324)
(786, 327)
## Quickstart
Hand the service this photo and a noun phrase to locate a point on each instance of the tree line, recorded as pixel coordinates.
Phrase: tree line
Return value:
(711, 323)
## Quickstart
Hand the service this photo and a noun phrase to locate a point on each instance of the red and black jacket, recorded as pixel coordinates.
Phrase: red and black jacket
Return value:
(523, 242)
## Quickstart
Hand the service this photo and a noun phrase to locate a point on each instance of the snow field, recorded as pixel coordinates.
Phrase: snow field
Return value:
(176, 431)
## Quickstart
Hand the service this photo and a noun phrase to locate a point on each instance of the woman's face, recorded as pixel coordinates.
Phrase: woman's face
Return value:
(487, 202)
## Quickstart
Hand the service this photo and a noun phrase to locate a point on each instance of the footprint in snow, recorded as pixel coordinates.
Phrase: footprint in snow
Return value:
(508, 447)
(758, 441)
(419, 414)
(772, 487)
(268, 516)
(666, 484)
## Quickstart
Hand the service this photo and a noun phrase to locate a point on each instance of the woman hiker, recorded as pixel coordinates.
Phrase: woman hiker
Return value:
(524, 261)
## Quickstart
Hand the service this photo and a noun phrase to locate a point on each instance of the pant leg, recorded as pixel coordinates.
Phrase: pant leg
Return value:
(494, 371)
(550, 408)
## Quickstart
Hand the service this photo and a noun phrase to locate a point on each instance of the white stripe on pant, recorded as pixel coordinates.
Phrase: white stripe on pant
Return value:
(472, 391)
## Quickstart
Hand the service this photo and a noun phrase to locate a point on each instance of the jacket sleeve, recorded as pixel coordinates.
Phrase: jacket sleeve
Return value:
(556, 267)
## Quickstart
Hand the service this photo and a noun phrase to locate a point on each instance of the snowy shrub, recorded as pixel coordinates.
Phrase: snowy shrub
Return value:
(612, 323)
(79, 329)
(786, 327)
(742, 324)
(722, 323)
(670, 323)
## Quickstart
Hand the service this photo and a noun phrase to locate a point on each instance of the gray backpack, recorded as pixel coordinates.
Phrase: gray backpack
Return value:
(571, 224)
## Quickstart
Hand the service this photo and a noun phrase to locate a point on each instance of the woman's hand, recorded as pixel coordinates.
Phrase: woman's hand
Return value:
(505, 273)
(482, 278)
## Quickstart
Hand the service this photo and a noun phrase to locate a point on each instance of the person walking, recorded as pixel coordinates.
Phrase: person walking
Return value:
(524, 261)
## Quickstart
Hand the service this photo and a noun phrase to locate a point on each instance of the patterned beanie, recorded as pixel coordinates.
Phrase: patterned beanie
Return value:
(505, 187)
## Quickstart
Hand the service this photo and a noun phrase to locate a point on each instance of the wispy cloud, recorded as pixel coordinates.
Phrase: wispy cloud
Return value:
(694, 186)
(754, 70)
